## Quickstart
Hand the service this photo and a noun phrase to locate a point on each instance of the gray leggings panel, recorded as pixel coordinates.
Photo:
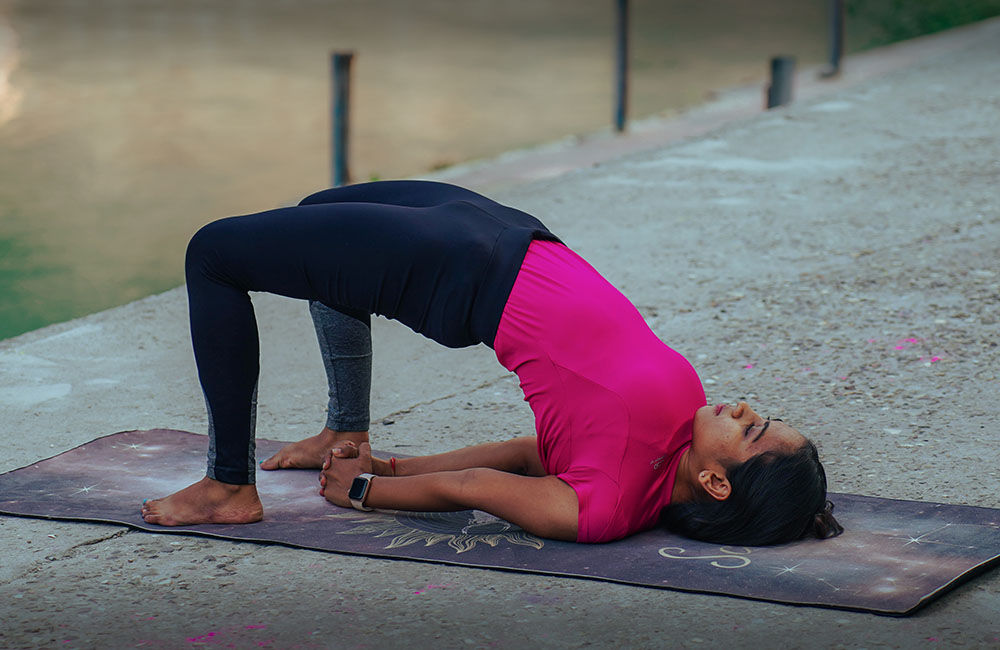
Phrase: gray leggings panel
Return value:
(345, 341)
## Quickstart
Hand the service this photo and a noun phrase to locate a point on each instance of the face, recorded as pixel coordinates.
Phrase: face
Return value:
(725, 434)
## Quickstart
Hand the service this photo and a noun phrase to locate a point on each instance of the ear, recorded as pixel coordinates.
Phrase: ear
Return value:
(716, 485)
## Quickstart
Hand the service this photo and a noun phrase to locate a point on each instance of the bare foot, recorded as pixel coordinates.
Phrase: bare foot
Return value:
(206, 502)
(309, 453)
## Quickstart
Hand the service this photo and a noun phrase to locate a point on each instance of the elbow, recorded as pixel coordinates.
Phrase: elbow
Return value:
(555, 531)
(528, 462)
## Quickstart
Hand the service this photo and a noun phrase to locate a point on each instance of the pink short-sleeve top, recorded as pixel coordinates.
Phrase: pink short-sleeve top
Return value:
(613, 405)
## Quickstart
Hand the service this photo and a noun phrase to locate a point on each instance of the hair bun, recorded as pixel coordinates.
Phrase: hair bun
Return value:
(824, 523)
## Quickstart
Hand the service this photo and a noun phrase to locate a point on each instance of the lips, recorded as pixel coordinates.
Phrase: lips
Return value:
(718, 408)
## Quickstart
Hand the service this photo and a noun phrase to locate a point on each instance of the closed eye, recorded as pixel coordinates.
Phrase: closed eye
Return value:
(763, 429)
(746, 432)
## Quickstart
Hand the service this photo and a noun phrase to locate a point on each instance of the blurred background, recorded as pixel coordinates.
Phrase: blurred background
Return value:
(127, 124)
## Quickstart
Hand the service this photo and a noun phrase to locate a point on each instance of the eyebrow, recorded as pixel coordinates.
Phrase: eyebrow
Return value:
(763, 429)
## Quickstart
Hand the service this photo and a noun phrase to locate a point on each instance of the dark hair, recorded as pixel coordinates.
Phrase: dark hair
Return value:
(775, 498)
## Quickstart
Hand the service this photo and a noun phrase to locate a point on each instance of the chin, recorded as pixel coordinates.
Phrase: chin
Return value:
(707, 411)
(700, 418)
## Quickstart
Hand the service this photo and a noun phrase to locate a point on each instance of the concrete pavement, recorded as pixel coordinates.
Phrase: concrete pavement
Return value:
(834, 262)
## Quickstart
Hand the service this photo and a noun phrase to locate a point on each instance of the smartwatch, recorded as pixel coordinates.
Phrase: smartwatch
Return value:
(359, 490)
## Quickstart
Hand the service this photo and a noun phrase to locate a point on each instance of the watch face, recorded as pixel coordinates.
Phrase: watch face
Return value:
(358, 488)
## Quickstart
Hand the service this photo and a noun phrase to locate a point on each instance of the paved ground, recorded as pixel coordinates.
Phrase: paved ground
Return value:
(810, 243)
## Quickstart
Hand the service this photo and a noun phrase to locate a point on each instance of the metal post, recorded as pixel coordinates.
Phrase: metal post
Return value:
(837, 20)
(340, 66)
(621, 66)
(779, 92)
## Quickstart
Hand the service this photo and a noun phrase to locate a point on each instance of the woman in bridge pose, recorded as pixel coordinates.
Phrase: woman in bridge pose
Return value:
(624, 439)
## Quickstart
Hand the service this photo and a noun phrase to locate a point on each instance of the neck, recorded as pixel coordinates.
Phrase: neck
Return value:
(683, 490)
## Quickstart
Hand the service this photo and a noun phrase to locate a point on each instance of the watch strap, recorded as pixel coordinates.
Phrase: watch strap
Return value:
(359, 504)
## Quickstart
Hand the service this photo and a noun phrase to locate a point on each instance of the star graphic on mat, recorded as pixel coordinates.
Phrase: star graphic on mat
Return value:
(86, 488)
(787, 569)
(793, 569)
(131, 445)
(918, 540)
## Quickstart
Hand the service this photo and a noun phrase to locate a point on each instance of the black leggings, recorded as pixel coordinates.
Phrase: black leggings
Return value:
(419, 252)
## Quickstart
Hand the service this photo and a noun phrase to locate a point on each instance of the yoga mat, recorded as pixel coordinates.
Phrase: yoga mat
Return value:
(894, 557)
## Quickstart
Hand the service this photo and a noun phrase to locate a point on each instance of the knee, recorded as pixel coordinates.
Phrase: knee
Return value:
(205, 246)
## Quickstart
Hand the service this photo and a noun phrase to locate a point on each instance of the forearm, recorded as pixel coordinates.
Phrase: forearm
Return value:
(435, 492)
(543, 506)
(517, 456)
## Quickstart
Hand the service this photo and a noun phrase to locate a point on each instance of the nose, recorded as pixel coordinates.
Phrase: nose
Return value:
(744, 412)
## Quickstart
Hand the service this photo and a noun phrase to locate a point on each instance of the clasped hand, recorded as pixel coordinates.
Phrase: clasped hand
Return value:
(341, 466)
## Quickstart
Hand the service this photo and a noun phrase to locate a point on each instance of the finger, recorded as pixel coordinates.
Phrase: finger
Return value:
(365, 455)
(343, 452)
(345, 449)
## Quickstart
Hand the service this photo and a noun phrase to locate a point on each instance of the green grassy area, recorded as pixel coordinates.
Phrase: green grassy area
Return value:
(872, 23)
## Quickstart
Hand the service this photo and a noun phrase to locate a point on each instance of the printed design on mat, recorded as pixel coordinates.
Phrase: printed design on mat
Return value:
(730, 559)
(462, 531)
(894, 557)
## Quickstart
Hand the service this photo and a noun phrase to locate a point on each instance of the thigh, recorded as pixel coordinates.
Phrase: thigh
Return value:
(416, 265)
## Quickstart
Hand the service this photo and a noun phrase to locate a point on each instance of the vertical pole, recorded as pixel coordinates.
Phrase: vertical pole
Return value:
(340, 113)
(621, 65)
(837, 19)
(779, 92)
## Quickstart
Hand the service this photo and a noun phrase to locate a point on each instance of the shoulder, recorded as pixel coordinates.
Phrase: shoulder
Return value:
(599, 499)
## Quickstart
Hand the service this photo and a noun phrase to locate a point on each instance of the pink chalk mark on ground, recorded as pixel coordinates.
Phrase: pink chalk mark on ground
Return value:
(842, 378)
(256, 627)
(428, 588)
(902, 344)
(748, 366)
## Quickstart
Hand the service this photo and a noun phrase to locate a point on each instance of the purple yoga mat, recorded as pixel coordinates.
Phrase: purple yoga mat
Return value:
(894, 557)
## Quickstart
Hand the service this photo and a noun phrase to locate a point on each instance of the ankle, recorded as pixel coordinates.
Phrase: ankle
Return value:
(336, 436)
(230, 488)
